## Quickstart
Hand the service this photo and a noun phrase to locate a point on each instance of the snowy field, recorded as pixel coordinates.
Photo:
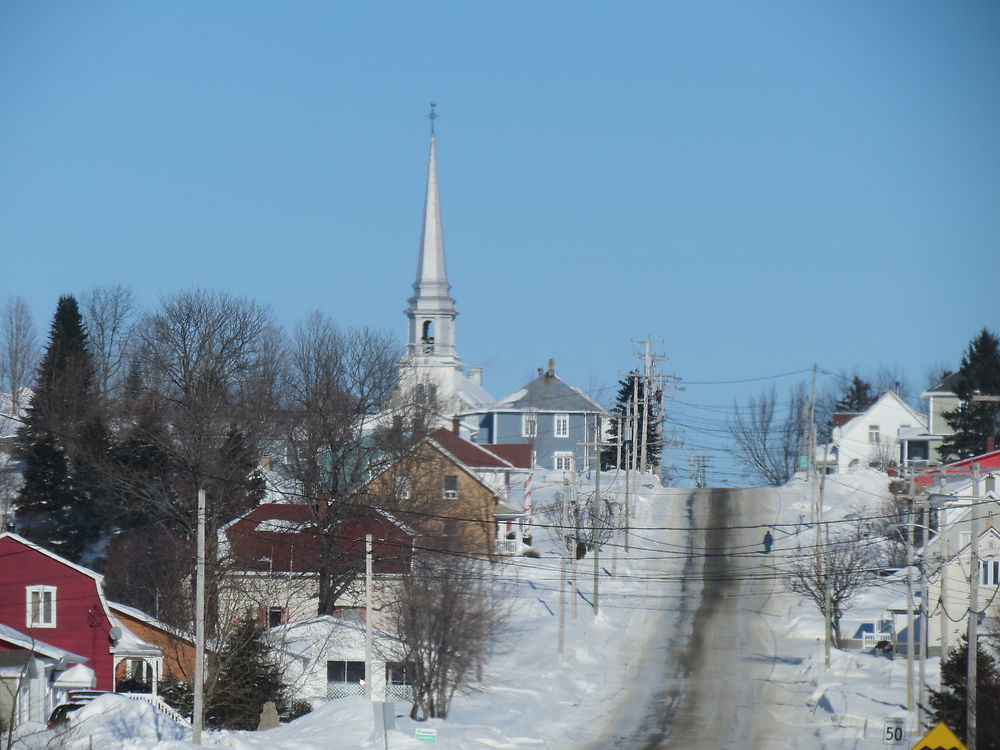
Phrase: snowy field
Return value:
(532, 699)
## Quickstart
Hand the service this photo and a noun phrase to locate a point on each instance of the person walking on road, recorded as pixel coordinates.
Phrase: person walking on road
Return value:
(768, 541)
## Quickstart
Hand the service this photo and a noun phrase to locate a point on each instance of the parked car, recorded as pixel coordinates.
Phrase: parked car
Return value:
(76, 699)
(61, 713)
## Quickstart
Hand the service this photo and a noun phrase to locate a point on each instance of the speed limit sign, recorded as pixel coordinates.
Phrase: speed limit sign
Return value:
(895, 732)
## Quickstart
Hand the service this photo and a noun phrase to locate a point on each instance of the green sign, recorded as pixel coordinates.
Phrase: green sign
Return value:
(426, 735)
(803, 462)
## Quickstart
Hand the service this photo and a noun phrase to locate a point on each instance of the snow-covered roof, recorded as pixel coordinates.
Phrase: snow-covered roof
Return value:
(29, 643)
(548, 393)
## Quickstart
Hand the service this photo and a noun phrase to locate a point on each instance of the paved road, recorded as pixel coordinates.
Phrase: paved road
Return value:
(708, 686)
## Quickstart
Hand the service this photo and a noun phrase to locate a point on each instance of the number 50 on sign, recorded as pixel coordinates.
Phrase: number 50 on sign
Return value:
(895, 732)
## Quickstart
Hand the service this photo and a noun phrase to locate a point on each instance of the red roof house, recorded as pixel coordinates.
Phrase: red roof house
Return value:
(961, 469)
(59, 603)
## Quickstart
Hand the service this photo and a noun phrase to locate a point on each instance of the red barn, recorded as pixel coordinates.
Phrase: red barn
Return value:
(60, 603)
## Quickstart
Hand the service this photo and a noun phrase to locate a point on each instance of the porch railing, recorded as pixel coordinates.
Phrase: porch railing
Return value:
(506, 546)
(161, 705)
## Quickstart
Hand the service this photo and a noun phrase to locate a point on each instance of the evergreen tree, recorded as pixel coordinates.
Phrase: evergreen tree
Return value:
(247, 679)
(856, 398)
(948, 704)
(975, 423)
(61, 437)
(633, 386)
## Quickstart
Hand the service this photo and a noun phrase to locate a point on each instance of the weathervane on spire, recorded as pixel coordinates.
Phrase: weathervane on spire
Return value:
(432, 117)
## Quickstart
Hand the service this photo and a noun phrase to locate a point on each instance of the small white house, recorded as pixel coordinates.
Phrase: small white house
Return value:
(324, 657)
(873, 437)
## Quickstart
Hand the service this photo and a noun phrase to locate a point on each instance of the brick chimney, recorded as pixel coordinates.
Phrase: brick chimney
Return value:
(456, 423)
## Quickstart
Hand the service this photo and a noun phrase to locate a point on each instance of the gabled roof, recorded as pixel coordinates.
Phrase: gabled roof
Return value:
(947, 386)
(138, 614)
(29, 643)
(79, 568)
(284, 537)
(517, 455)
(548, 393)
(887, 396)
(470, 454)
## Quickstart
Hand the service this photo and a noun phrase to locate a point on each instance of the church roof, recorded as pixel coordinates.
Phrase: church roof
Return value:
(548, 393)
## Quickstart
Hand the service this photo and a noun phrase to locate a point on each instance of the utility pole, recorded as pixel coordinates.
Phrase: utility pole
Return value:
(672, 443)
(198, 718)
(909, 600)
(564, 563)
(827, 602)
(595, 515)
(369, 635)
(973, 621)
(811, 460)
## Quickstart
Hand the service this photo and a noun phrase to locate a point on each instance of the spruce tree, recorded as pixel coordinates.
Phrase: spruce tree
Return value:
(633, 386)
(61, 438)
(856, 398)
(948, 703)
(975, 423)
(247, 679)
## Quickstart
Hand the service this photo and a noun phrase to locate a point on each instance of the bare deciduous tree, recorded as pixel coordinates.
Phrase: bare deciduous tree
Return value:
(109, 315)
(767, 435)
(846, 564)
(449, 621)
(18, 350)
(333, 386)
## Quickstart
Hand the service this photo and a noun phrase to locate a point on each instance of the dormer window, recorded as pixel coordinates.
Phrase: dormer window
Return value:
(41, 606)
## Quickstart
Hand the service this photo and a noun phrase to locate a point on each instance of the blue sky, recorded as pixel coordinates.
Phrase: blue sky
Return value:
(759, 185)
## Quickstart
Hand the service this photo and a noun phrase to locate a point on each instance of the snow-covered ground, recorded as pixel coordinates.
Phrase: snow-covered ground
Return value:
(534, 699)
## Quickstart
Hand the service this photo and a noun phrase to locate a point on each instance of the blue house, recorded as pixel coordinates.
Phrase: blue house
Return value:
(556, 419)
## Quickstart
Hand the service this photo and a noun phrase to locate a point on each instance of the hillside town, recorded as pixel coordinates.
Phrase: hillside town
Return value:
(499, 376)
(234, 540)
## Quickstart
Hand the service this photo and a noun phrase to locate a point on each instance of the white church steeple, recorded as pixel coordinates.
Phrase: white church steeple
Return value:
(431, 364)
(431, 311)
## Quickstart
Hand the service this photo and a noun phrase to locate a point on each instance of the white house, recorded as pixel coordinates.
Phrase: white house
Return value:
(947, 556)
(324, 657)
(873, 437)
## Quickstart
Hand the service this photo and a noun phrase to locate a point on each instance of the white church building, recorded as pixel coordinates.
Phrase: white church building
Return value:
(431, 368)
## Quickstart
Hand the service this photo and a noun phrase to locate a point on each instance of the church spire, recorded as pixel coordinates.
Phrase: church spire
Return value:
(431, 309)
(432, 275)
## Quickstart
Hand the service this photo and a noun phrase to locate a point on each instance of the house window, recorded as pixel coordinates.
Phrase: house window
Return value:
(399, 681)
(345, 678)
(989, 572)
(403, 488)
(563, 461)
(529, 425)
(873, 434)
(398, 673)
(450, 486)
(562, 425)
(276, 616)
(41, 606)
